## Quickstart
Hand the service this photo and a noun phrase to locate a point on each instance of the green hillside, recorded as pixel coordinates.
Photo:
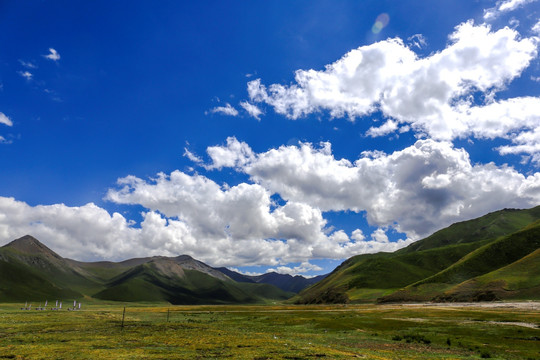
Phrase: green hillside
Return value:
(21, 283)
(165, 280)
(368, 277)
(487, 227)
(31, 271)
(490, 257)
(365, 278)
(519, 280)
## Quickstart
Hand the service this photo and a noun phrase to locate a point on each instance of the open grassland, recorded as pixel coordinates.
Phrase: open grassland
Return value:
(155, 331)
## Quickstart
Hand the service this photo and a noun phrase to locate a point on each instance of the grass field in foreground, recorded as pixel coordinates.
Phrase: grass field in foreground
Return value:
(270, 332)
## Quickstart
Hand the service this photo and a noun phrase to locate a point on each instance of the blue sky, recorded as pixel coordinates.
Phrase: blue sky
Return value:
(263, 135)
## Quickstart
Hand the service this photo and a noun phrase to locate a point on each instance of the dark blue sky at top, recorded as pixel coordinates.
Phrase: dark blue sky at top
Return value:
(136, 81)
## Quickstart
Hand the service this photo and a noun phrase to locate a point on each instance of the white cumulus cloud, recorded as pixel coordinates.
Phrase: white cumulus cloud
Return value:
(302, 268)
(431, 95)
(379, 235)
(87, 231)
(358, 235)
(536, 28)
(388, 127)
(237, 225)
(503, 6)
(189, 214)
(234, 154)
(417, 190)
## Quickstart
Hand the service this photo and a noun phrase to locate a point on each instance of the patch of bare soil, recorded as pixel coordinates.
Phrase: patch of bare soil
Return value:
(521, 305)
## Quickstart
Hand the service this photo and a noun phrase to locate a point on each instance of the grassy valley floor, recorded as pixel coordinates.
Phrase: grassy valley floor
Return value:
(155, 331)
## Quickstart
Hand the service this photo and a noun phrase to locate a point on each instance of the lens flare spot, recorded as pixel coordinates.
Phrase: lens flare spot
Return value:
(380, 23)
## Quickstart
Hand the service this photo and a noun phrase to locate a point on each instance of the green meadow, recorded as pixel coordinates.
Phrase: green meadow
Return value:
(157, 331)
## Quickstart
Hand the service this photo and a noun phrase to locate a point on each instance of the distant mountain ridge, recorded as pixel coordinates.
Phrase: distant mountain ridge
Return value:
(29, 270)
(285, 282)
(486, 258)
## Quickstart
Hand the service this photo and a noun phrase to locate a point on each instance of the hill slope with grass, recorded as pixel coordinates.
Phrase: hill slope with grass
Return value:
(519, 280)
(29, 269)
(488, 258)
(450, 256)
(165, 279)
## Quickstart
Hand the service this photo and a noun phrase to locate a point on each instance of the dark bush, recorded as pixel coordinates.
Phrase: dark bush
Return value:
(417, 338)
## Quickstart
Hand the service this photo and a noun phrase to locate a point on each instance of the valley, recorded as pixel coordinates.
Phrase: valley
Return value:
(157, 331)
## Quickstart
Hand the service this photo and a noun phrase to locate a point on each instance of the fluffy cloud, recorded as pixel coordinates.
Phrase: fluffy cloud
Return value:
(91, 233)
(72, 231)
(536, 28)
(225, 110)
(300, 269)
(525, 142)
(434, 95)
(235, 154)
(237, 225)
(417, 190)
(379, 235)
(190, 214)
(388, 127)
(52, 55)
(5, 120)
(504, 6)
(251, 109)
(358, 235)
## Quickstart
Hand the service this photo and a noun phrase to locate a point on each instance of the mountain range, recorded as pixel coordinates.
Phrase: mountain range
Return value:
(285, 282)
(29, 270)
(496, 256)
